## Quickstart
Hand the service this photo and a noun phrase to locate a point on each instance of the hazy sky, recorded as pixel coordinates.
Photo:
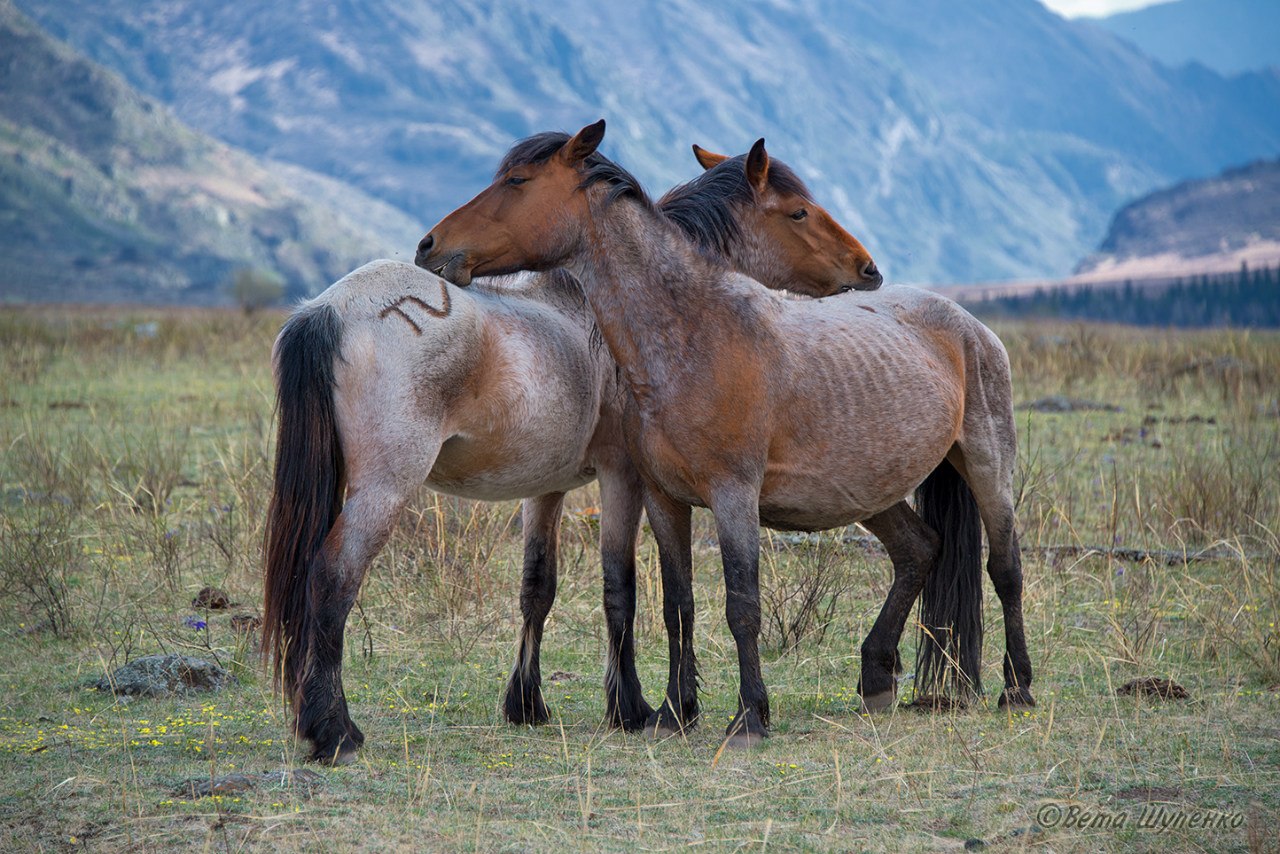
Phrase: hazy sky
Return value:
(1075, 8)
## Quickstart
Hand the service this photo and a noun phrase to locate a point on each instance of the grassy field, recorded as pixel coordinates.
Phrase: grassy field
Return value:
(136, 468)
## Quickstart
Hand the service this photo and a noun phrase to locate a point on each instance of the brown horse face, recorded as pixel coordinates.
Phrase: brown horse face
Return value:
(510, 226)
(812, 254)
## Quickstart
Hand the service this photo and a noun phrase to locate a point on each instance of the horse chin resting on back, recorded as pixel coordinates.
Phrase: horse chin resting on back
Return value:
(792, 413)
(393, 378)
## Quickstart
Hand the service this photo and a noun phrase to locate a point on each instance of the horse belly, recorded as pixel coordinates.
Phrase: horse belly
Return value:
(817, 505)
(817, 510)
(849, 482)
(512, 464)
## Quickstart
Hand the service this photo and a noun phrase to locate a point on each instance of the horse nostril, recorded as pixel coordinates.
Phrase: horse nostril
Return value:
(870, 271)
(425, 244)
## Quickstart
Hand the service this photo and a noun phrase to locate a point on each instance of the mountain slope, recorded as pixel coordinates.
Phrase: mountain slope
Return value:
(1200, 226)
(105, 195)
(1229, 36)
(959, 141)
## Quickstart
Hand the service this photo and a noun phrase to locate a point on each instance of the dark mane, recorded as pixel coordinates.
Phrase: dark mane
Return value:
(703, 208)
(532, 150)
(538, 149)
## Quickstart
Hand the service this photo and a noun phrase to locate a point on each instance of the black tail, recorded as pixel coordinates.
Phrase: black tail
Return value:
(949, 659)
(308, 485)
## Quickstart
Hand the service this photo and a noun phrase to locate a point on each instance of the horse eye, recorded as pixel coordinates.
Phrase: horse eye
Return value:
(515, 181)
(800, 214)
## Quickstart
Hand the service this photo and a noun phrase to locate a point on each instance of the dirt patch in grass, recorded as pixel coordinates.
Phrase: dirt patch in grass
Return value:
(1155, 687)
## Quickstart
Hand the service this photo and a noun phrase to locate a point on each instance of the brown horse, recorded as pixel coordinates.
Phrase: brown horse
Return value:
(393, 377)
(796, 414)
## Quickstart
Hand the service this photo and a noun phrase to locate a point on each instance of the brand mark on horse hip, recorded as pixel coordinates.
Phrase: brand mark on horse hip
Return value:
(443, 311)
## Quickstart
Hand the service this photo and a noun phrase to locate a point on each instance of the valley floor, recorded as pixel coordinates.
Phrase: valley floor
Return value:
(137, 448)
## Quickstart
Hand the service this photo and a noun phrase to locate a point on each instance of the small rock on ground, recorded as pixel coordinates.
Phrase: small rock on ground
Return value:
(1168, 794)
(246, 623)
(1062, 403)
(1153, 686)
(164, 676)
(301, 780)
(211, 599)
(562, 676)
(937, 703)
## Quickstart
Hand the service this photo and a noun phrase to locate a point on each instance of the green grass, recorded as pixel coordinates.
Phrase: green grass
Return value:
(136, 470)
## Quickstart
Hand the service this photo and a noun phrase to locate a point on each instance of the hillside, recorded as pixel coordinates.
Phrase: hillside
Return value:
(105, 195)
(1229, 36)
(961, 142)
(1209, 225)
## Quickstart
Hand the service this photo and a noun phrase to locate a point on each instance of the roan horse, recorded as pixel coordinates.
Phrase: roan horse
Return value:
(796, 414)
(393, 377)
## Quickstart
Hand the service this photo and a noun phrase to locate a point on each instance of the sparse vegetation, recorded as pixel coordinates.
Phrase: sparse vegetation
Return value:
(135, 472)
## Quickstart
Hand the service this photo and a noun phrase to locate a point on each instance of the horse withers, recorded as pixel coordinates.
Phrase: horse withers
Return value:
(798, 415)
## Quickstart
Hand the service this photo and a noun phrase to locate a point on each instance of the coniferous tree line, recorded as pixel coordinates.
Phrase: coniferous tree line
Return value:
(1248, 298)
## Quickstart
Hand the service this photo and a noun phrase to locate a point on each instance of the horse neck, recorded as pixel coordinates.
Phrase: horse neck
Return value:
(758, 259)
(652, 294)
(740, 250)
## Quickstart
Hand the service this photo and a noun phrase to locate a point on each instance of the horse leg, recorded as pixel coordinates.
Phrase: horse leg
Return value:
(320, 705)
(738, 529)
(670, 521)
(523, 703)
(912, 546)
(992, 488)
(620, 504)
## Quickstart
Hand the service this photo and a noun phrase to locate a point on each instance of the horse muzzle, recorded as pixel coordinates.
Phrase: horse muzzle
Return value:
(869, 279)
(452, 267)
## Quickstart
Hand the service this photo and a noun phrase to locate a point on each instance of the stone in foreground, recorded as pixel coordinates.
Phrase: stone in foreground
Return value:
(298, 779)
(165, 676)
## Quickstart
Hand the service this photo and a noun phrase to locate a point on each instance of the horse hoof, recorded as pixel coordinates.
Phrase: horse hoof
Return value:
(744, 740)
(337, 760)
(660, 732)
(343, 754)
(524, 709)
(745, 731)
(1017, 698)
(879, 702)
(663, 724)
(632, 721)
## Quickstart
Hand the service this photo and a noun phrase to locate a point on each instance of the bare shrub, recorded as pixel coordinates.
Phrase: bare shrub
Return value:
(1224, 484)
(164, 540)
(49, 472)
(235, 486)
(150, 467)
(39, 557)
(1136, 609)
(1244, 616)
(798, 602)
(451, 548)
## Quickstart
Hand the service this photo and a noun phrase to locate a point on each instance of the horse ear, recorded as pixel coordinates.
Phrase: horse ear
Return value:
(708, 159)
(758, 167)
(583, 144)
